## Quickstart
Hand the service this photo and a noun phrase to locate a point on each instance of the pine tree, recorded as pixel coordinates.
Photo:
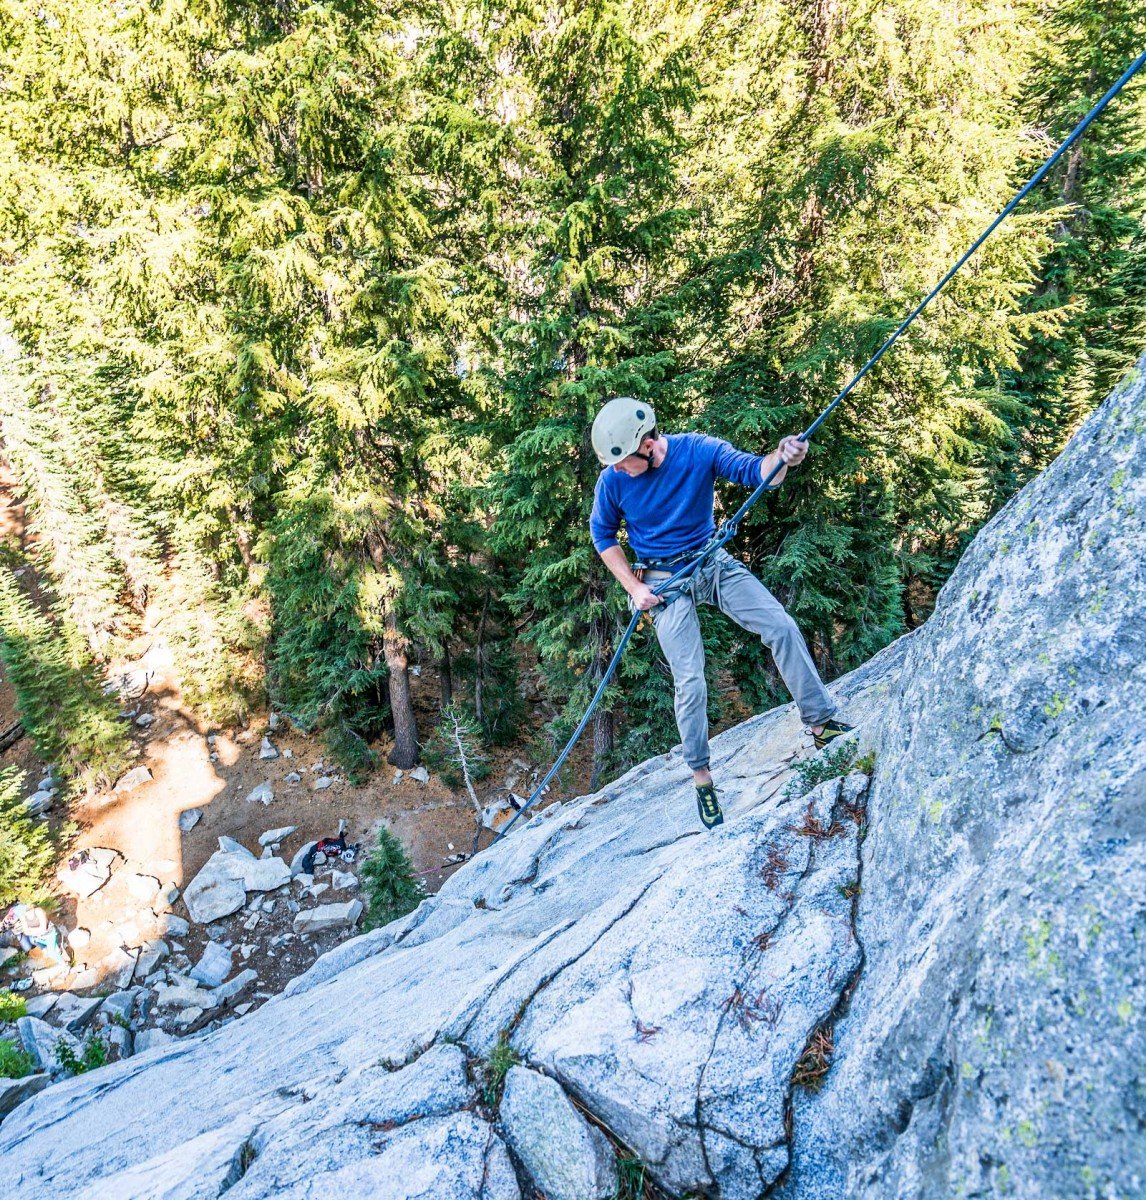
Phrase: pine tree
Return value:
(388, 882)
(596, 218)
(1096, 271)
(58, 694)
(27, 851)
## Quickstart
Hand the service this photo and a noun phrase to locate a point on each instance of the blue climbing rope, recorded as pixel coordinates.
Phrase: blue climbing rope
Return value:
(728, 529)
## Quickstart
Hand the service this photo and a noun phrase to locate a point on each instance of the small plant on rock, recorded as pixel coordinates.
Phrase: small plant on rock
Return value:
(93, 1054)
(828, 764)
(12, 1007)
(502, 1057)
(14, 1063)
(630, 1178)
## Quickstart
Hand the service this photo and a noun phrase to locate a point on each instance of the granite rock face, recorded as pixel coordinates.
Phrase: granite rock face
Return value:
(957, 942)
(997, 1036)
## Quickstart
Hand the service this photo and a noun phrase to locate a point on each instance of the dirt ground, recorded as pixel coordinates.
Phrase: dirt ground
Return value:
(214, 770)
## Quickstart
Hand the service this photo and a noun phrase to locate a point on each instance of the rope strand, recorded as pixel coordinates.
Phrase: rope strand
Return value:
(727, 530)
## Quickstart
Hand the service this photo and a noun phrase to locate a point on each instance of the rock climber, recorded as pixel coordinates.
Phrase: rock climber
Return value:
(661, 486)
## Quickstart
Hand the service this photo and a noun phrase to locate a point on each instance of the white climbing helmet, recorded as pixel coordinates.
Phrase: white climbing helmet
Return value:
(619, 427)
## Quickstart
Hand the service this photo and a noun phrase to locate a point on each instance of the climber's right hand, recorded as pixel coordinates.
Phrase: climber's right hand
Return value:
(644, 597)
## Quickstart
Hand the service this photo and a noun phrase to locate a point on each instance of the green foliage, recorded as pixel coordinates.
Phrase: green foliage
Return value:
(62, 707)
(27, 852)
(829, 763)
(14, 1064)
(1095, 272)
(631, 1178)
(308, 308)
(12, 1007)
(389, 885)
(866, 764)
(455, 748)
(496, 1068)
(94, 1053)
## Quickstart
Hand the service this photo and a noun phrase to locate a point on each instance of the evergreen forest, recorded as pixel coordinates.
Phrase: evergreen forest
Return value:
(306, 310)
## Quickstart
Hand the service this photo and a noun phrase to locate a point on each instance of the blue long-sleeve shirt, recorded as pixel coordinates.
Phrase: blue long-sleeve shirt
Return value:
(668, 509)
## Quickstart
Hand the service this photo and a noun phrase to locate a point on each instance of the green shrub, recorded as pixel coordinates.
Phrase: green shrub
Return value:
(93, 1054)
(502, 1057)
(828, 764)
(12, 1007)
(14, 1063)
(389, 884)
(26, 849)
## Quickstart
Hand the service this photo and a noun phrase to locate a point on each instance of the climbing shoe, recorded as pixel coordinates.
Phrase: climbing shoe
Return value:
(709, 807)
(830, 731)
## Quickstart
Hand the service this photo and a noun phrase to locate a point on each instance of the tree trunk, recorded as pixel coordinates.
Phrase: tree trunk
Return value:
(11, 736)
(479, 659)
(446, 677)
(394, 645)
(603, 741)
(603, 724)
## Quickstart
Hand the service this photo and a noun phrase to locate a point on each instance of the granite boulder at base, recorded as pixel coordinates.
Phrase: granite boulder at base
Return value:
(947, 947)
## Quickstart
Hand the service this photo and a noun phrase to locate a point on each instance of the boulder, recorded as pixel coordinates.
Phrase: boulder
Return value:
(182, 997)
(142, 887)
(420, 775)
(86, 871)
(150, 957)
(78, 938)
(118, 967)
(273, 836)
(120, 1005)
(328, 916)
(264, 874)
(216, 891)
(189, 818)
(16, 1091)
(220, 887)
(263, 794)
(323, 782)
(567, 1158)
(41, 1042)
(133, 779)
(230, 846)
(74, 1013)
(173, 926)
(41, 802)
(237, 987)
(300, 854)
(120, 1040)
(341, 880)
(41, 1005)
(214, 966)
(149, 1039)
(268, 750)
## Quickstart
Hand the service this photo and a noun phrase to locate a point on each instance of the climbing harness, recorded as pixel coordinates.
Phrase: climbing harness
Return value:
(728, 529)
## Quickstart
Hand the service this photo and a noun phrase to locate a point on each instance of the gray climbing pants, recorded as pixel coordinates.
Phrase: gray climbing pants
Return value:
(732, 588)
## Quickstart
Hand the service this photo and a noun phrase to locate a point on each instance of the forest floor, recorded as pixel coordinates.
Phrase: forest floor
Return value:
(194, 766)
(214, 770)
